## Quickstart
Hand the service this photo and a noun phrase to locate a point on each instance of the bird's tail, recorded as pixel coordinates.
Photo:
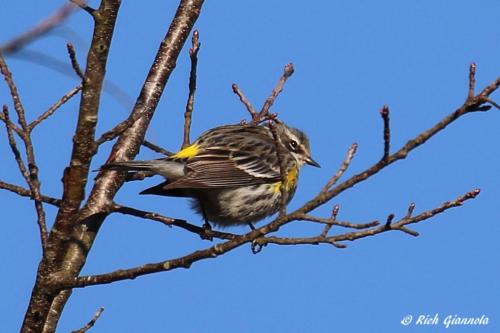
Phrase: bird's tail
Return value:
(166, 168)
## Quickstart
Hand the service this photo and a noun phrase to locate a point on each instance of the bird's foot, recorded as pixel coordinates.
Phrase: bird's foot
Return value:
(206, 232)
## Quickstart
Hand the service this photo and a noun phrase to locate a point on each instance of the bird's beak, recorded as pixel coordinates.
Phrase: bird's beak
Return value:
(312, 162)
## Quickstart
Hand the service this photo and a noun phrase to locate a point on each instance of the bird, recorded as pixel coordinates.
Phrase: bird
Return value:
(232, 172)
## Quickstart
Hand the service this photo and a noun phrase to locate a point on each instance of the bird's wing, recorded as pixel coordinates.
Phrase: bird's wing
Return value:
(219, 168)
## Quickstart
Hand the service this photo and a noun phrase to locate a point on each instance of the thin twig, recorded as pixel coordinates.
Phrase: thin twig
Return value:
(345, 164)
(411, 208)
(67, 249)
(256, 237)
(193, 55)
(472, 81)
(118, 129)
(389, 220)
(27, 193)
(252, 236)
(263, 115)
(333, 221)
(287, 72)
(54, 107)
(74, 61)
(400, 225)
(83, 5)
(13, 145)
(387, 132)
(335, 212)
(13, 126)
(32, 168)
(30, 176)
(91, 323)
(245, 101)
(168, 221)
(40, 29)
(156, 148)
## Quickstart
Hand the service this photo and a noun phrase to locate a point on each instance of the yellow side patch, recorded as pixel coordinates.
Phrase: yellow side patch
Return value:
(188, 152)
(291, 179)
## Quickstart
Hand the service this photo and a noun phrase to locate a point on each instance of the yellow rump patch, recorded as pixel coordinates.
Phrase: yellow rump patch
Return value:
(291, 179)
(188, 152)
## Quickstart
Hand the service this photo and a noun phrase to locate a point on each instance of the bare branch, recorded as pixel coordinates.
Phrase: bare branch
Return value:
(40, 310)
(27, 193)
(411, 208)
(474, 105)
(409, 231)
(83, 5)
(343, 167)
(13, 145)
(496, 105)
(117, 130)
(31, 175)
(254, 236)
(263, 115)
(50, 111)
(168, 221)
(245, 101)
(399, 225)
(492, 87)
(287, 72)
(472, 81)
(74, 61)
(264, 241)
(335, 212)
(389, 220)
(387, 132)
(91, 323)
(10, 124)
(193, 55)
(72, 218)
(333, 221)
(39, 30)
(155, 148)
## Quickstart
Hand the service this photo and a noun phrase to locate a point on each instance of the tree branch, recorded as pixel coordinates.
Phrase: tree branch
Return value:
(27, 193)
(470, 105)
(287, 72)
(76, 228)
(50, 111)
(263, 115)
(74, 61)
(31, 174)
(91, 323)
(254, 236)
(155, 148)
(39, 30)
(475, 104)
(46, 301)
(345, 164)
(168, 221)
(193, 55)
(387, 132)
(351, 236)
(84, 6)
(245, 101)
(333, 221)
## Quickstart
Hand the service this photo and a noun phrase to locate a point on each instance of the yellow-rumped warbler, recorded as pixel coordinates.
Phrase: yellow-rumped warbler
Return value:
(232, 172)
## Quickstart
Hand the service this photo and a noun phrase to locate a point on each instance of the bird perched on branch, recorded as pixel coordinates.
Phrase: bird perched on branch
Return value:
(232, 172)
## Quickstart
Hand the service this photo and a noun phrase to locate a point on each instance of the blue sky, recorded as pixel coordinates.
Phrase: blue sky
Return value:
(351, 57)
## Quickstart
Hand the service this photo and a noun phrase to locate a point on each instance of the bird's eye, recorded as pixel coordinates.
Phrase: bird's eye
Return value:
(293, 145)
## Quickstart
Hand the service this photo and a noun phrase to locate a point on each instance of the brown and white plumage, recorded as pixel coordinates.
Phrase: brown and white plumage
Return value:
(231, 172)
